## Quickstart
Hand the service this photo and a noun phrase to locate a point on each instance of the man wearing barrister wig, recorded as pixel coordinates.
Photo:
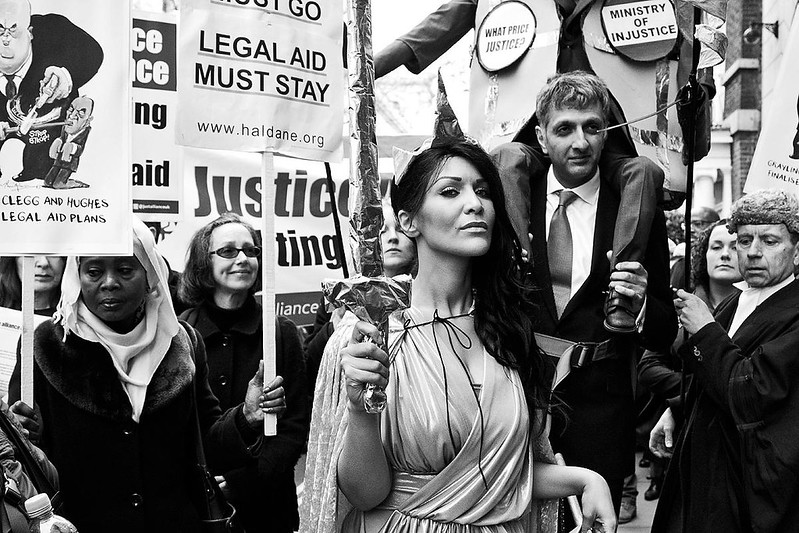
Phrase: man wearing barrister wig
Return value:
(735, 464)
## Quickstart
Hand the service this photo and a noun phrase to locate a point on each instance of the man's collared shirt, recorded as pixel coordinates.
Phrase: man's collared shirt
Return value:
(750, 298)
(581, 214)
(19, 74)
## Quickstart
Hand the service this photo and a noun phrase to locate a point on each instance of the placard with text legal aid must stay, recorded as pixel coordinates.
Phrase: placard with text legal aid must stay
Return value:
(262, 75)
(64, 142)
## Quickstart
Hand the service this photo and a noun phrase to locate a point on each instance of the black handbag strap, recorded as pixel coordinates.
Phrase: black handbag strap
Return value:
(198, 436)
(29, 463)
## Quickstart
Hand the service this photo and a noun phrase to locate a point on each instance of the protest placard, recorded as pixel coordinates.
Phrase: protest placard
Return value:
(281, 60)
(263, 76)
(775, 164)
(64, 117)
(641, 30)
(505, 35)
(156, 159)
(10, 329)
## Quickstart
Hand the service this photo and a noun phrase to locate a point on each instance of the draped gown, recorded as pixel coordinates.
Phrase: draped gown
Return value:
(461, 456)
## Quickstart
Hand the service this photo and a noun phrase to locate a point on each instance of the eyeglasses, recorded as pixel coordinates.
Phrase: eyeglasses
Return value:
(231, 252)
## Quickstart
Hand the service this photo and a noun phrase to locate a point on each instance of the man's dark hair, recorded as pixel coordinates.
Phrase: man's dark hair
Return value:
(572, 90)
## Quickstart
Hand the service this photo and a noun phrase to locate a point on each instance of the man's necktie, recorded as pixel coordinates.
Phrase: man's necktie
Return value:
(559, 250)
(11, 87)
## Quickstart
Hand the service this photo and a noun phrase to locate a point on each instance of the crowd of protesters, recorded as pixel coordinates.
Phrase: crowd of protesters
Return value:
(541, 284)
(470, 424)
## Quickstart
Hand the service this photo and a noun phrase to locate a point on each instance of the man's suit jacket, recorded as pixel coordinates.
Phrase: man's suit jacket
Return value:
(80, 142)
(57, 42)
(599, 432)
(736, 461)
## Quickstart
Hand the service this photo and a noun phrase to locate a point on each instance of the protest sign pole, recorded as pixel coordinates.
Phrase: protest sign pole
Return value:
(268, 276)
(331, 191)
(689, 183)
(26, 358)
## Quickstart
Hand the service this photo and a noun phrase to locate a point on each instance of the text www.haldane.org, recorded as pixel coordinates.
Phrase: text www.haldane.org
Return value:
(262, 131)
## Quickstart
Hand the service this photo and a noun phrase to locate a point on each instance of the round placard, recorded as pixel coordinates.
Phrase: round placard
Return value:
(505, 35)
(641, 30)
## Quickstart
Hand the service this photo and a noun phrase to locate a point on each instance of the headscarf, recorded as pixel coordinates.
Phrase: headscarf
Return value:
(137, 354)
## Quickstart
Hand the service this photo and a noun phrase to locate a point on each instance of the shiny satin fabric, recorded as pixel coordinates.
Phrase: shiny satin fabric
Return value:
(438, 485)
(416, 438)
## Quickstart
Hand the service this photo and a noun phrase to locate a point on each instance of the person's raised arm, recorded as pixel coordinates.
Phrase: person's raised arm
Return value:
(429, 40)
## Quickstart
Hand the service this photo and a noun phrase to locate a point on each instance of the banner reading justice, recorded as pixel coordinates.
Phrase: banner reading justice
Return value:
(280, 60)
(64, 128)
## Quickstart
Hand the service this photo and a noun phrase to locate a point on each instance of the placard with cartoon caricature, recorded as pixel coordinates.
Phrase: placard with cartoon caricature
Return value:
(64, 145)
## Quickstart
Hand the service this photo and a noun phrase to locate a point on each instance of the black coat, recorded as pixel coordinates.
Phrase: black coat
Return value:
(116, 474)
(736, 462)
(598, 431)
(263, 491)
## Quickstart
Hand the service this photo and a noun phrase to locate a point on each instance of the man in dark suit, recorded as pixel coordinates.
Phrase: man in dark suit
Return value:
(573, 213)
(44, 60)
(67, 149)
(734, 466)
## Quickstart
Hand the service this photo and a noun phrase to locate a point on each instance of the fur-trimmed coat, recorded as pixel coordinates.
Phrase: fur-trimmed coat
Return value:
(116, 474)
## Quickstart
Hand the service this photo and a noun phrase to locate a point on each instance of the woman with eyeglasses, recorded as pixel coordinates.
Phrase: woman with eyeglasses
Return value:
(120, 386)
(221, 276)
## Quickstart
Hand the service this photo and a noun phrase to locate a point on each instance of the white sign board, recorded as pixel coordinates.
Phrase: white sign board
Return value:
(505, 35)
(10, 330)
(262, 76)
(156, 159)
(642, 30)
(64, 158)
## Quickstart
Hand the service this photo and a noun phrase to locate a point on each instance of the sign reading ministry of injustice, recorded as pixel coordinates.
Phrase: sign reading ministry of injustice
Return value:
(261, 76)
(641, 30)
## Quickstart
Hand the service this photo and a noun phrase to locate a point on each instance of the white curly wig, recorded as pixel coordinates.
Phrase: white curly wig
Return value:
(767, 206)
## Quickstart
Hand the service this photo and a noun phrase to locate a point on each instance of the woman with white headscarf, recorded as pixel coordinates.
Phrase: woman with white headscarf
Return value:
(117, 381)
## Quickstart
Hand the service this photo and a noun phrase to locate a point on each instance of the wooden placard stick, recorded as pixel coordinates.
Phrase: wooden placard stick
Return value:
(268, 276)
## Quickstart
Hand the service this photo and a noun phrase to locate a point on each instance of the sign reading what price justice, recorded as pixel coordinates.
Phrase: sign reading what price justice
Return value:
(505, 35)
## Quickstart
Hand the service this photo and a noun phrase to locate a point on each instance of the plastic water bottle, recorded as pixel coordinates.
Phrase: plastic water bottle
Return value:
(42, 518)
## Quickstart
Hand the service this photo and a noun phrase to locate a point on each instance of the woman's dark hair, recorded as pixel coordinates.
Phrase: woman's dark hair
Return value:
(699, 275)
(504, 310)
(10, 285)
(197, 282)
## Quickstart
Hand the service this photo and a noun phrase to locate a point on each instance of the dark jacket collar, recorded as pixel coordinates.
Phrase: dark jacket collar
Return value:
(200, 319)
